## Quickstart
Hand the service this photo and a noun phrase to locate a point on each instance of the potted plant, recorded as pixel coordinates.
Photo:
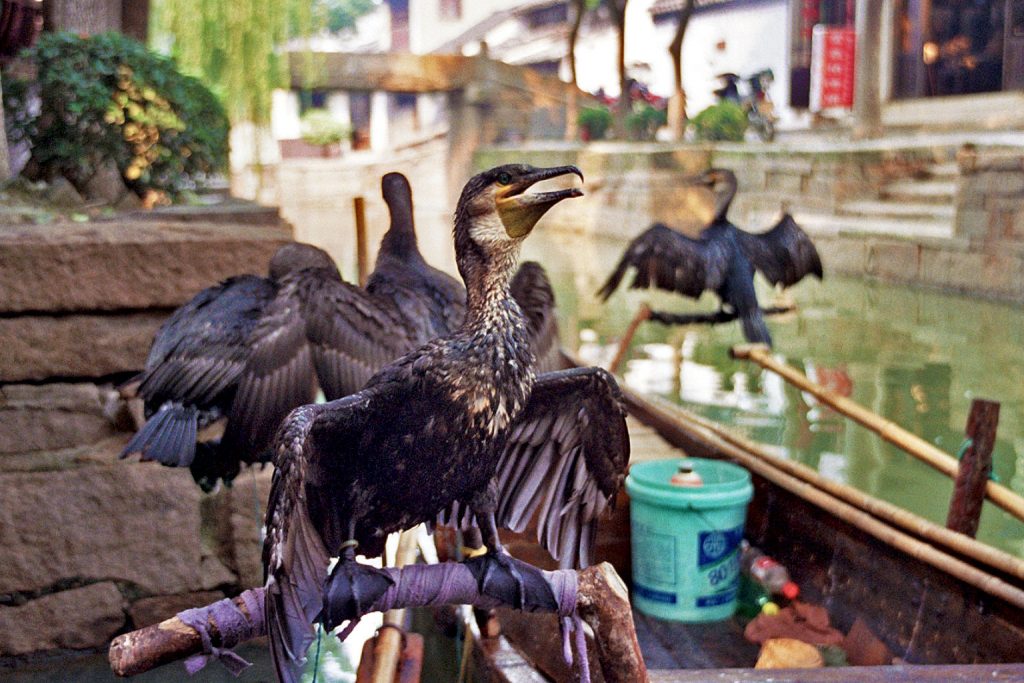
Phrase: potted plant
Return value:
(321, 136)
(593, 122)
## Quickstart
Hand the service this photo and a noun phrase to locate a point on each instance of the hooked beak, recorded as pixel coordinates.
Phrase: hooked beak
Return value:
(519, 212)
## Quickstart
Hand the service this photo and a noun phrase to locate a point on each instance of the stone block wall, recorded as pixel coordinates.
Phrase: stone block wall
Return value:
(990, 198)
(89, 545)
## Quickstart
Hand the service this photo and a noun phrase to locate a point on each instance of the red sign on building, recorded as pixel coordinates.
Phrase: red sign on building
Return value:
(832, 67)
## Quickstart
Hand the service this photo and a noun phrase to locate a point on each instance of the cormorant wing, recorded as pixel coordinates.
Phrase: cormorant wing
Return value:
(295, 557)
(354, 333)
(670, 260)
(785, 254)
(199, 352)
(563, 463)
(278, 374)
(532, 290)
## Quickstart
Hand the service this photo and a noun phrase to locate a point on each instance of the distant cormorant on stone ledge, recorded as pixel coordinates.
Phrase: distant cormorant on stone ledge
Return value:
(460, 423)
(723, 259)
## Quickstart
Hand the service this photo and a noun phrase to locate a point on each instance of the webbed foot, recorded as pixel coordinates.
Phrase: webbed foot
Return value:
(351, 590)
(498, 575)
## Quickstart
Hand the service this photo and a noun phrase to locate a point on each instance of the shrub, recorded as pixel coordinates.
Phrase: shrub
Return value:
(320, 128)
(594, 121)
(107, 98)
(722, 121)
(643, 122)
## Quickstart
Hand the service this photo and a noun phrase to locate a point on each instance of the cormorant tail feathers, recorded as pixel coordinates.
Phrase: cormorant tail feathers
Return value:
(754, 327)
(169, 437)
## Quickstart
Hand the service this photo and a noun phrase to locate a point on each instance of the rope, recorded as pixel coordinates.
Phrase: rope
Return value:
(232, 624)
(962, 451)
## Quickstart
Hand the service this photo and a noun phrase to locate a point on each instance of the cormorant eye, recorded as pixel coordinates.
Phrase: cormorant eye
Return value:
(505, 178)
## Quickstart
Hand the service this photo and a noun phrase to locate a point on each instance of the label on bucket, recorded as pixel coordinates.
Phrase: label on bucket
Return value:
(654, 557)
(718, 562)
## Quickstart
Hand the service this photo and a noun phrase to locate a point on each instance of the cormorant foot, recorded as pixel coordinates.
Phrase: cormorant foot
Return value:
(351, 590)
(499, 577)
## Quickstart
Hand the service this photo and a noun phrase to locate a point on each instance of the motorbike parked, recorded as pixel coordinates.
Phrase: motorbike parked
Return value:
(757, 103)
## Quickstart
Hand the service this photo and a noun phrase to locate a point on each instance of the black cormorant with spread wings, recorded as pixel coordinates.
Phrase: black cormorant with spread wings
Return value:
(459, 423)
(197, 357)
(723, 259)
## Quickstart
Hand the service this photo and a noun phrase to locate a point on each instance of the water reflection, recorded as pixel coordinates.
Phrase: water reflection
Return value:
(915, 357)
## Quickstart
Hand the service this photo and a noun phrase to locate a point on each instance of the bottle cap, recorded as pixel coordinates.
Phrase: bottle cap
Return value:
(790, 590)
(686, 476)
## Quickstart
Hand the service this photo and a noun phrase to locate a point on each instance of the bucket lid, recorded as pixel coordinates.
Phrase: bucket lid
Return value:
(725, 484)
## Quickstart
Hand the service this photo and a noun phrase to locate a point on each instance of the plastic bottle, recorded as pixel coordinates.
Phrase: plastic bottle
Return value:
(767, 572)
(686, 476)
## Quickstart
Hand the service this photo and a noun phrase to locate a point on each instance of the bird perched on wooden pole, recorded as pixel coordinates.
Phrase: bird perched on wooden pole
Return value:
(458, 427)
(723, 259)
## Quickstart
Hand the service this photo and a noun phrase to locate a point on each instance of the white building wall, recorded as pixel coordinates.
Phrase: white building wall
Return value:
(428, 30)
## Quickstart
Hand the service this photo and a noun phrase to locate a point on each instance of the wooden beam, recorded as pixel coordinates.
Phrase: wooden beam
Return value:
(392, 72)
(975, 468)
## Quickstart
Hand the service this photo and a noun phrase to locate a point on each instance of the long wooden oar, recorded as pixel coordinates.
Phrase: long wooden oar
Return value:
(888, 430)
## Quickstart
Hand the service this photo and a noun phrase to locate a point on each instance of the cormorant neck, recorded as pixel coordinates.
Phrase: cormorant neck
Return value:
(400, 239)
(722, 201)
(487, 273)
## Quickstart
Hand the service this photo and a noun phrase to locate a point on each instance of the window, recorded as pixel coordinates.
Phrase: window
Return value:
(451, 9)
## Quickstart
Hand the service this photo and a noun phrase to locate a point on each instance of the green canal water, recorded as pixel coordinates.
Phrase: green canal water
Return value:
(916, 357)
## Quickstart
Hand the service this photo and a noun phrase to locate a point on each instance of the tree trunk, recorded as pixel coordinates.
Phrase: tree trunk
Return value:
(618, 11)
(677, 103)
(83, 16)
(5, 157)
(572, 107)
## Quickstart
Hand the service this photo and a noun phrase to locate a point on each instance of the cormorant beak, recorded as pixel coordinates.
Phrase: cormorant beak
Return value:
(519, 212)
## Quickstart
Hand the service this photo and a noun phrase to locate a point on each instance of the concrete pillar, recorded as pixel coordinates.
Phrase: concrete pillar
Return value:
(284, 115)
(380, 136)
(867, 102)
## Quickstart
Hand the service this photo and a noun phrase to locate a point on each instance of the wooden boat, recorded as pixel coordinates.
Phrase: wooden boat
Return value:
(945, 606)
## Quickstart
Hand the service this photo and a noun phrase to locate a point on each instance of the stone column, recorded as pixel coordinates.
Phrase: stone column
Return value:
(867, 104)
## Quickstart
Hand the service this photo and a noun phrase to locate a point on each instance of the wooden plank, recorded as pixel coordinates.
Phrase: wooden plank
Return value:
(849, 674)
(392, 72)
(975, 468)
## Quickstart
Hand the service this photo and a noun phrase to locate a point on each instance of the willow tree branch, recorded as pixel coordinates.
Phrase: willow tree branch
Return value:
(601, 601)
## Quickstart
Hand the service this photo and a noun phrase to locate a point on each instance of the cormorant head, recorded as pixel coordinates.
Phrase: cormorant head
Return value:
(296, 256)
(718, 180)
(495, 207)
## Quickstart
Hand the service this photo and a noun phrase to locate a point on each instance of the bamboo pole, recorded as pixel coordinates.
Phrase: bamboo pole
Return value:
(893, 514)
(888, 430)
(362, 260)
(643, 313)
(669, 426)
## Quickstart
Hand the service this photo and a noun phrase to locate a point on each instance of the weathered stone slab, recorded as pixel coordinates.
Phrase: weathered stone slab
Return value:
(893, 260)
(137, 523)
(154, 610)
(842, 255)
(77, 619)
(248, 504)
(42, 346)
(129, 264)
(54, 416)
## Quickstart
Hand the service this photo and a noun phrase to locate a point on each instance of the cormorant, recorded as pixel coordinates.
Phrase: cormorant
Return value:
(197, 357)
(459, 423)
(723, 259)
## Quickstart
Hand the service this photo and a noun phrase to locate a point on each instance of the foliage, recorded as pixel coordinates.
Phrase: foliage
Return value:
(722, 121)
(643, 122)
(341, 15)
(235, 46)
(320, 128)
(595, 121)
(106, 97)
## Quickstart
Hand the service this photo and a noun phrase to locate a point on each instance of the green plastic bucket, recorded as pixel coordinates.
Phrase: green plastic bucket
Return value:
(686, 539)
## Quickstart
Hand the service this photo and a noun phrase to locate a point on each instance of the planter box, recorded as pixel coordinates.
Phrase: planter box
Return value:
(299, 149)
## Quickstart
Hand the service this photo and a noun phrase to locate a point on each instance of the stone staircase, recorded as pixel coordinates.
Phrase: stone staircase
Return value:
(922, 205)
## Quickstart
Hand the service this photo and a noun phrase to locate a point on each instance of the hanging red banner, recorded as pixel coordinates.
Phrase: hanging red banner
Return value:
(833, 52)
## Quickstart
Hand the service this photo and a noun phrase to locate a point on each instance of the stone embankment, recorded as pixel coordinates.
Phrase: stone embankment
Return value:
(89, 545)
(942, 215)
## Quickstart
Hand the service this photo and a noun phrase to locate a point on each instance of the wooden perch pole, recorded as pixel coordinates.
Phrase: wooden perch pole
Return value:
(975, 468)
(601, 600)
(362, 260)
(890, 431)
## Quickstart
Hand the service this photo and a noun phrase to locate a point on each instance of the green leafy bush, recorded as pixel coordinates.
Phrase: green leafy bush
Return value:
(643, 122)
(107, 98)
(722, 121)
(594, 122)
(320, 128)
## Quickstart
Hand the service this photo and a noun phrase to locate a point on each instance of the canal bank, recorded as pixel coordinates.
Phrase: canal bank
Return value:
(941, 211)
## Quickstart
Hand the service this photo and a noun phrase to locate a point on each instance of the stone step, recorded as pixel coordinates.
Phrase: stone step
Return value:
(948, 170)
(830, 224)
(897, 210)
(934, 191)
